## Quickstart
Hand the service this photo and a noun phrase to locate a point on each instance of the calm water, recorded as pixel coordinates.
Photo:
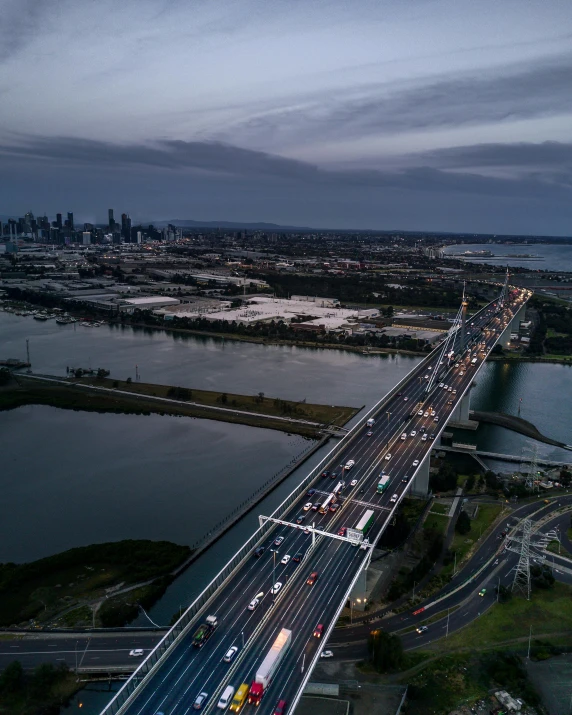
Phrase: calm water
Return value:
(551, 257)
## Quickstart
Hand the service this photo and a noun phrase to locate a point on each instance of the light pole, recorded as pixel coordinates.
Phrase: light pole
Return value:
(303, 661)
(76, 655)
(529, 639)
(455, 565)
(242, 634)
(447, 634)
(388, 416)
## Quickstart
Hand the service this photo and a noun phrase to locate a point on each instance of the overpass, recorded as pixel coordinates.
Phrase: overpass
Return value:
(419, 407)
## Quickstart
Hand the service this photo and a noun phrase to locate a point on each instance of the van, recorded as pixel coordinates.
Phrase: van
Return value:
(225, 698)
(239, 698)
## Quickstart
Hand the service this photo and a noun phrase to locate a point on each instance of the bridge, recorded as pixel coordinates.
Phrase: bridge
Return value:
(408, 421)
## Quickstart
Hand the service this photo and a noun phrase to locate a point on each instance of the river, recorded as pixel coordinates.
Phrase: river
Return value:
(547, 256)
(76, 478)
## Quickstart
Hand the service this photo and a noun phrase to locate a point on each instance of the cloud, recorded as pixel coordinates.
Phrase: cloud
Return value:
(20, 20)
(514, 92)
(235, 163)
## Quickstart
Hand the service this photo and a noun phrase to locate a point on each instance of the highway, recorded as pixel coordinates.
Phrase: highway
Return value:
(172, 688)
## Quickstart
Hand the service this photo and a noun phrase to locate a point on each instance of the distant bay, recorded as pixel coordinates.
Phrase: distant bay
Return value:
(550, 257)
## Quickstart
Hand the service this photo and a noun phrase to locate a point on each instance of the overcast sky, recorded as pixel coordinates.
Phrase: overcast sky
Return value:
(451, 115)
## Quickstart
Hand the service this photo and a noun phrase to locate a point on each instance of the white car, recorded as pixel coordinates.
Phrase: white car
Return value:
(454, 392)
(353, 482)
(326, 654)
(404, 400)
(229, 655)
(388, 456)
(394, 498)
(253, 604)
(308, 506)
(277, 586)
(404, 436)
(426, 414)
(285, 559)
(440, 384)
(416, 463)
(136, 653)
(424, 438)
(449, 389)
(420, 413)
(413, 433)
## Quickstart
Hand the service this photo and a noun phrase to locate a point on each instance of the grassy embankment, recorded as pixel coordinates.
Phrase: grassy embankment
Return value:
(186, 402)
(75, 587)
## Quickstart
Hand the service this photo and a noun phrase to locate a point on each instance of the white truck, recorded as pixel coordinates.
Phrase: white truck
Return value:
(370, 422)
(269, 666)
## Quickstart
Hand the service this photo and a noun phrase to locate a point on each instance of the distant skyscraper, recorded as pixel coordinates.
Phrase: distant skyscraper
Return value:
(70, 220)
(59, 220)
(126, 227)
(111, 219)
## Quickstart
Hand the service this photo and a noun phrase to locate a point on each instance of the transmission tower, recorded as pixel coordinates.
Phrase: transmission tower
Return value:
(529, 464)
(521, 582)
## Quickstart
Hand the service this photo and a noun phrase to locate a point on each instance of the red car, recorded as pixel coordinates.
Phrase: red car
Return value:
(312, 578)
(342, 531)
(319, 630)
(280, 709)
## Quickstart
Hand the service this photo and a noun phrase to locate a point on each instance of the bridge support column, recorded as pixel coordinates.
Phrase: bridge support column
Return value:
(460, 415)
(420, 486)
(358, 596)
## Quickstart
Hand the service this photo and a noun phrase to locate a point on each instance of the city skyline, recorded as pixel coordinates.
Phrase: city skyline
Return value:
(432, 116)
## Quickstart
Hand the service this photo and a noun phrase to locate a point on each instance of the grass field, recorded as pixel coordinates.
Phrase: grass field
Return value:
(437, 508)
(437, 522)
(463, 543)
(549, 612)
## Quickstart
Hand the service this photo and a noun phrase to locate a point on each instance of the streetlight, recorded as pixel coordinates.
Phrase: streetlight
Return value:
(388, 416)
(242, 634)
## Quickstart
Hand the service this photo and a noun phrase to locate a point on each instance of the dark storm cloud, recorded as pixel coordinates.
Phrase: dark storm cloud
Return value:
(547, 154)
(19, 20)
(235, 163)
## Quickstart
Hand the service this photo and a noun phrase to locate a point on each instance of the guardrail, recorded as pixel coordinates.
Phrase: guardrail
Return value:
(154, 660)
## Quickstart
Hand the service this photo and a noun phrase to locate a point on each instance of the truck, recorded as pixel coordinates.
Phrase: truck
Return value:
(269, 666)
(239, 698)
(370, 422)
(383, 483)
(205, 631)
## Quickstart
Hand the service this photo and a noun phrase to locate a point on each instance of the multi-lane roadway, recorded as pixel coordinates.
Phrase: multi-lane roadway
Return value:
(187, 671)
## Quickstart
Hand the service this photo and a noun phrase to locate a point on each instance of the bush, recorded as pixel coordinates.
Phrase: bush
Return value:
(385, 651)
(463, 525)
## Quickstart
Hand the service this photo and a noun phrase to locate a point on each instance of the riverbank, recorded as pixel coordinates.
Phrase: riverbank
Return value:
(119, 396)
(559, 359)
(88, 585)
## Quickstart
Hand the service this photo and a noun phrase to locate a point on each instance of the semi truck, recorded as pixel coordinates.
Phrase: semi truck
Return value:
(205, 631)
(269, 666)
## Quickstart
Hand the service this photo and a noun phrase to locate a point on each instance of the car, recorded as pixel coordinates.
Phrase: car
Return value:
(280, 708)
(404, 480)
(426, 414)
(310, 492)
(353, 482)
(388, 455)
(415, 462)
(440, 384)
(276, 588)
(300, 518)
(334, 475)
(450, 402)
(454, 392)
(225, 698)
(307, 531)
(342, 531)
(326, 473)
(399, 394)
(326, 654)
(200, 700)
(405, 399)
(253, 604)
(369, 434)
(449, 389)
(404, 436)
(308, 506)
(426, 377)
(424, 438)
(259, 551)
(432, 435)
(229, 655)
(312, 578)
(136, 652)
(334, 507)
(299, 556)
(420, 413)
(349, 464)
(276, 543)
(318, 630)
(413, 433)
(435, 419)
(394, 498)
(482, 592)
(284, 560)
(429, 368)
(316, 506)
(421, 629)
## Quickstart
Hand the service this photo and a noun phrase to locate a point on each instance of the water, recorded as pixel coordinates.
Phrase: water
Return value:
(551, 257)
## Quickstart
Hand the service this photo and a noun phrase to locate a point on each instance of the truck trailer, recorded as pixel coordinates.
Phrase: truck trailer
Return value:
(269, 666)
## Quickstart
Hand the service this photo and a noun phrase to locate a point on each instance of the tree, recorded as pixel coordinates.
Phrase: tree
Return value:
(223, 398)
(504, 593)
(497, 350)
(12, 678)
(463, 525)
(385, 651)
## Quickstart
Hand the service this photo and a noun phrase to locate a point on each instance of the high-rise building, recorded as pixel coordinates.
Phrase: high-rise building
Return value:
(111, 219)
(58, 220)
(70, 220)
(126, 227)
(86, 238)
